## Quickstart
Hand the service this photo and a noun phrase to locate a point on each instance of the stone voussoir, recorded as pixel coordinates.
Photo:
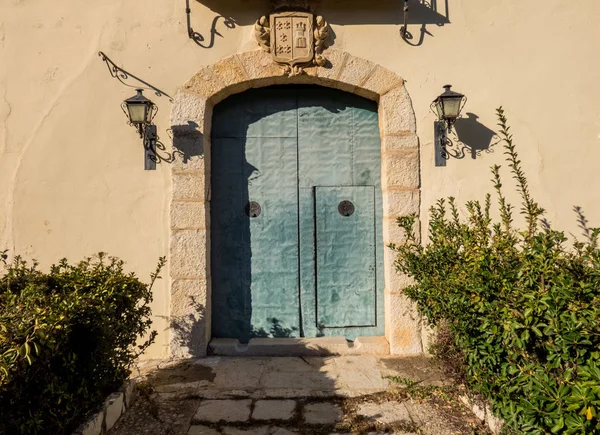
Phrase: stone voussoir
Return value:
(397, 112)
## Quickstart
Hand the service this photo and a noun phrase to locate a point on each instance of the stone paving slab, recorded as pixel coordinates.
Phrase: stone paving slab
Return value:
(274, 409)
(322, 413)
(390, 412)
(223, 410)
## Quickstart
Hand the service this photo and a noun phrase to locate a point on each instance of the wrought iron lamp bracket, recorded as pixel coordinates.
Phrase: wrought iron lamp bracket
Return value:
(121, 75)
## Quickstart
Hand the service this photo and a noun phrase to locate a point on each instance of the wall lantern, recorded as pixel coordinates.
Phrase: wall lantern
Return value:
(140, 112)
(447, 107)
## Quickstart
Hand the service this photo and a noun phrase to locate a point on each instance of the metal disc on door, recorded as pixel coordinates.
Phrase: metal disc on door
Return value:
(253, 209)
(346, 208)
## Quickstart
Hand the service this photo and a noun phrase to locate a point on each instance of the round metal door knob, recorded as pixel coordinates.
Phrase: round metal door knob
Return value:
(346, 208)
(253, 209)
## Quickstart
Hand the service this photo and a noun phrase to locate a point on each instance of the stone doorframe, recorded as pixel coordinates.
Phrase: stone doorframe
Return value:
(191, 119)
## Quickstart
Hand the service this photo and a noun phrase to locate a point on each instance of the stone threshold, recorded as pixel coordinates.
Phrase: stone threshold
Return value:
(320, 346)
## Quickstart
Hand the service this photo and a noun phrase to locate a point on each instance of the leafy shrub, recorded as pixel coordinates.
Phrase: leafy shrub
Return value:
(521, 306)
(67, 340)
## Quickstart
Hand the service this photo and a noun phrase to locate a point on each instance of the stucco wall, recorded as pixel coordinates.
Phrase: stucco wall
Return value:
(72, 170)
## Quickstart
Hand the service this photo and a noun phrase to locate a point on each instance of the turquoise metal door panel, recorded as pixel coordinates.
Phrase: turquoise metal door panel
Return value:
(254, 260)
(338, 144)
(273, 256)
(345, 260)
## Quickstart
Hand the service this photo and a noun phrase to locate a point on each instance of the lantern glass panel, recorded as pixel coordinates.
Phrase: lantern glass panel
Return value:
(137, 112)
(452, 107)
(439, 108)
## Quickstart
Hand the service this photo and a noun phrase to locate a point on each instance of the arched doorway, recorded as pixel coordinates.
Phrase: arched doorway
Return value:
(296, 215)
(190, 256)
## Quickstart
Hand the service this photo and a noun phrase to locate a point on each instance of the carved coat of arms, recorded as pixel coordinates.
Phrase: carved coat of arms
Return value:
(294, 39)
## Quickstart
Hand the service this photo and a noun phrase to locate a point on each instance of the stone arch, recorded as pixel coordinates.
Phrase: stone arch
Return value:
(191, 119)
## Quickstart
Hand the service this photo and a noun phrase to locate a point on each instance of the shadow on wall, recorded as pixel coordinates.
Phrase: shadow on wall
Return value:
(188, 141)
(351, 12)
(472, 138)
(189, 331)
(207, 42)
(422, 12)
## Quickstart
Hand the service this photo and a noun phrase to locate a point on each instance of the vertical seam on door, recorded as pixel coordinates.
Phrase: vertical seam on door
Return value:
(300, 316)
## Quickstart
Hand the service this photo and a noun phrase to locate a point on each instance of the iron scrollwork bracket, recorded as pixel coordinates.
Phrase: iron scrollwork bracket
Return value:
(120, 74)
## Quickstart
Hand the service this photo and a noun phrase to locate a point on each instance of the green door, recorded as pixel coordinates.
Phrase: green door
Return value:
(296, 244)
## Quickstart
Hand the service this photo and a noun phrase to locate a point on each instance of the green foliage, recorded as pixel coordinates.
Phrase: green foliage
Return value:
(522, 307)
(67, 340)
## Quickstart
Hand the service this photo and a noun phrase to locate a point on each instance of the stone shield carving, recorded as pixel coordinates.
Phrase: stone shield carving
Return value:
(294, 39)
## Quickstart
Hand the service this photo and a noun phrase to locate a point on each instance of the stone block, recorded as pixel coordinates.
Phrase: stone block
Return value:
(204, 83)
(274, 410)
(396, 111)
(189, 147)
(93, 425)
(189, 186)
(400, 169)
(113, 408)
(493, 423)
(392, 233)
(188, 107)
(188, 254)
(394, 281)
(401, 202)
(393, 143)
(259, 64)
(403, 328)
(188, 215)
(128, 390)
(381, 80)
(229, 71)
(322, 413)
(189, 296)
(335, 64)
(356, 71)
(223, 410)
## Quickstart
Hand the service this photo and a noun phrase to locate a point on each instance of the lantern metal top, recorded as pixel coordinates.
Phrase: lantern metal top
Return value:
(448, 93)
(138, 98)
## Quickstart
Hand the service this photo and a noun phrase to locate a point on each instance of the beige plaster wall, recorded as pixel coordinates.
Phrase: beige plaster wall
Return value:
(72, 173)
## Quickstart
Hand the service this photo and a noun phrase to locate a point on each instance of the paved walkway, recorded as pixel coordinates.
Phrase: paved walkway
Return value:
(285, 395)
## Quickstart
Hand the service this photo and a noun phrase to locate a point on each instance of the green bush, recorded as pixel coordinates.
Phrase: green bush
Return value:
(67, 340)
(523, 307)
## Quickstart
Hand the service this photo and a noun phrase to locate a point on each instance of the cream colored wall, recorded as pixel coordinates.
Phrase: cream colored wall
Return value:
(72, 170)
